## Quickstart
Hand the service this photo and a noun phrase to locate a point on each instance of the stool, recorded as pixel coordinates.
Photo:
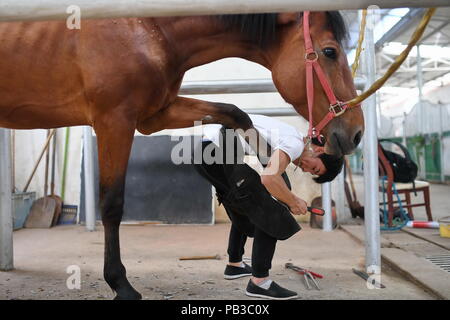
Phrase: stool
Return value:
(406, 189)
(402, 188)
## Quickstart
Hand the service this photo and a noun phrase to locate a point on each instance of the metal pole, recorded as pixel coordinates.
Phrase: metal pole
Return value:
(88, 157)
(421, 124)
(238, 86)
(20, 10)
(404, 129)
(338, 187)
(421, 113)
(6, 214)
(370, 152)
(272, 112)
(441, 141)
(326, 203)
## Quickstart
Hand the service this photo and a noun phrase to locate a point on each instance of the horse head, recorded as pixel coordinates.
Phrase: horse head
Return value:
(289, 63)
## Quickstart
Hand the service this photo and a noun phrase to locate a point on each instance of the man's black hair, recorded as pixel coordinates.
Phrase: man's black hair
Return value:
(333, 165)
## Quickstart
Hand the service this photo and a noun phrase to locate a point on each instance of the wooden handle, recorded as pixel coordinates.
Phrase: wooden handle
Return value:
(39, 160)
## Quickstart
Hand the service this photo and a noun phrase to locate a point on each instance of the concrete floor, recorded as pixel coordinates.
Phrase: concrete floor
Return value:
(150, 254)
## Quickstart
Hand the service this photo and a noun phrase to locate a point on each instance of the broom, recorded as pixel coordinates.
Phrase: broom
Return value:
(356, 209)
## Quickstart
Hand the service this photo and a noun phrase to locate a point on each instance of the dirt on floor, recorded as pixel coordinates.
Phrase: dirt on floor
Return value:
(47, 260)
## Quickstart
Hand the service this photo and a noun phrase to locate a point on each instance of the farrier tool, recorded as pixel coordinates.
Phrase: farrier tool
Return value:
(306, 274)
(316, 210)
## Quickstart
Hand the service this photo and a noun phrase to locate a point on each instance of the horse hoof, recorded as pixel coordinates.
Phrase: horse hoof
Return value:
(133, 295)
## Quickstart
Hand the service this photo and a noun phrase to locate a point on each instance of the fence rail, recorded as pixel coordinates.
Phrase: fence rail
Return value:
(28, 10)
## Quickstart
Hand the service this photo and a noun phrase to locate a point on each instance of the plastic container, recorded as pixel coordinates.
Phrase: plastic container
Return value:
(21, 203)
(444, 227)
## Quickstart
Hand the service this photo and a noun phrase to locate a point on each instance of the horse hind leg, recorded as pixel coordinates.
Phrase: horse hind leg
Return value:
(114, 147)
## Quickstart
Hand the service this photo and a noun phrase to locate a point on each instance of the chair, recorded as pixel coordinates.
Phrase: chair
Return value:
(390, 187)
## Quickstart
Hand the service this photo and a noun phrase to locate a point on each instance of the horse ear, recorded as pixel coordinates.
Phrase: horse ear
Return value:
(287, 17)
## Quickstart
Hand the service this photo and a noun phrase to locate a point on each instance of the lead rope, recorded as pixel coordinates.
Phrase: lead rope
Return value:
(355, 65)
(359, 49)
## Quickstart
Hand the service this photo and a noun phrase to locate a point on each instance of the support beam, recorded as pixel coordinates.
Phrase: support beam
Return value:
(338, 188)
(434, 31)
(421, 111)
(370, 155)
(6, 214)
(227, 87)
(89, 183)
(405, 23)
(441, 142)
(29, 10)
(327, 224)
(273, 112)
(238, 86)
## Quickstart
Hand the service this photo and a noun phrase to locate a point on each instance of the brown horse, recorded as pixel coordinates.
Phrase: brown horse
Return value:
(119, 75)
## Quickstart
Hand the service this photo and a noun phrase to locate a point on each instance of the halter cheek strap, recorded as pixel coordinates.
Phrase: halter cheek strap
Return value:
(336, 108)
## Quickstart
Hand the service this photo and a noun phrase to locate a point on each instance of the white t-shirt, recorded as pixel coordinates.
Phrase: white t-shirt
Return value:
(277, 133)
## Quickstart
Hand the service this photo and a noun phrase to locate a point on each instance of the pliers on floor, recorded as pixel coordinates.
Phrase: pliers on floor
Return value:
(306, 274)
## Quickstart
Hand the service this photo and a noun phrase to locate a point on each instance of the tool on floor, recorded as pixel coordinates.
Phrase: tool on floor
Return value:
(356, 209)
(216, 257)
(43, 210)
(58, 200)
(307, 275)
(365, 276)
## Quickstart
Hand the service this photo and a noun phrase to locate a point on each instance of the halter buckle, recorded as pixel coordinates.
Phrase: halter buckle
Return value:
(337, 109)
(314, 58)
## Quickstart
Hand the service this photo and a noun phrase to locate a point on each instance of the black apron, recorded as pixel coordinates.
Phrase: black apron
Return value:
(246, 200)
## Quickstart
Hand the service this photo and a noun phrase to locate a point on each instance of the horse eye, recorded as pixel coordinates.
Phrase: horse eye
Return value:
(330, 53)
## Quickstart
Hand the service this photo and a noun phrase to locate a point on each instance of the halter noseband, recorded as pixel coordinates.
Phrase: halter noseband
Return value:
(336, 108)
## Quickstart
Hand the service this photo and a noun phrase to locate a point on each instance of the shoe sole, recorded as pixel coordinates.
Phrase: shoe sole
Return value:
(226, 277)
(255, 295)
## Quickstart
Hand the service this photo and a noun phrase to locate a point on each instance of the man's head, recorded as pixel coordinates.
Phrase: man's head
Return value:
(315, 161)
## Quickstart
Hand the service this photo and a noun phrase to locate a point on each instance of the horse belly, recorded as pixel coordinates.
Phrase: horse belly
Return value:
(40, 84)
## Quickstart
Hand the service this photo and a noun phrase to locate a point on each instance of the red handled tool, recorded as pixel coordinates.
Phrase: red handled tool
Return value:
(316, 211)
(306, 275)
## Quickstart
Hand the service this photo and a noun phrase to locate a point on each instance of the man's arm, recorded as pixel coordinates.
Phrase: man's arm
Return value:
(273, 181)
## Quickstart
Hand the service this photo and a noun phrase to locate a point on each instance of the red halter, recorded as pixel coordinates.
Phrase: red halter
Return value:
(337, 108)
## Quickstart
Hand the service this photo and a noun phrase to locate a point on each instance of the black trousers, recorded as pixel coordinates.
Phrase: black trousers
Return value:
(263, 248)
(262, 251)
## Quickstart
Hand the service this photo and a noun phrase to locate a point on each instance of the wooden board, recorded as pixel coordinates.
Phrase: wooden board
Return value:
(157, 189)
(41, 213)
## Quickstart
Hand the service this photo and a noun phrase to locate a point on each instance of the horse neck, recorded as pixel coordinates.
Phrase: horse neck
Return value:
(201, 40)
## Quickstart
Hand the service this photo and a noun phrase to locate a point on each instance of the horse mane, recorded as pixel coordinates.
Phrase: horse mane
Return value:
(261, 29)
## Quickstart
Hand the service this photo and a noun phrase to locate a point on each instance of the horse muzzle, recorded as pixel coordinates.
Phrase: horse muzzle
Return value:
(342, 141)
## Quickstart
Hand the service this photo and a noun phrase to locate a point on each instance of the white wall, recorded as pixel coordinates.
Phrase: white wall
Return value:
(29, 144)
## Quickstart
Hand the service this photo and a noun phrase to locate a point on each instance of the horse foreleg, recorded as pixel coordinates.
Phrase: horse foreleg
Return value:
(115, 138)
(185, 112)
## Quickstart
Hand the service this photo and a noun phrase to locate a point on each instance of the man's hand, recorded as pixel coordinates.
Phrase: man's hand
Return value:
(271, 178)
(298, 206)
